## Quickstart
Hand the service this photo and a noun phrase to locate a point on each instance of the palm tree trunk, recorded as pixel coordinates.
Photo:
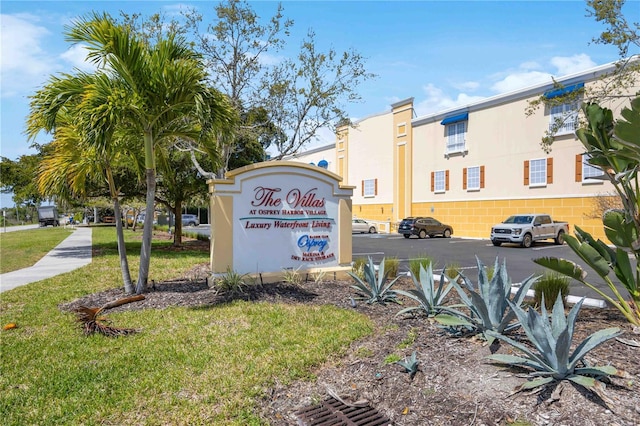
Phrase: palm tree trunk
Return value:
(122, 249)
(147, 233)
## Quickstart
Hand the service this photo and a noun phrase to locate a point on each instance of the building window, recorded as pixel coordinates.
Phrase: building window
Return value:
(402, 129)
(585, 171)
(473, 178)
(440, 181)
(564, 118)
(538, 172)
(456, 133)
(370, 187)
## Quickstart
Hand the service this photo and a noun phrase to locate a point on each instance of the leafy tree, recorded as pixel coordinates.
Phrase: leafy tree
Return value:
(233, 48)
(158, 92)
(16, 177)
(615, 148)
(618, 32)
(298, 97)
(179, 183)
(82, 152)
(306, 95)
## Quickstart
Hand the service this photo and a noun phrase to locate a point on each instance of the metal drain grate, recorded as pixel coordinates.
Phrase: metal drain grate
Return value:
(332, 412)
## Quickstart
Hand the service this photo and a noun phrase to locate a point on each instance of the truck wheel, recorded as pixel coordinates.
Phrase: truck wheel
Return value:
(422, 234)
(447, 233)
(559, 240)
(496, 243)
(406, 235)
(527, 241)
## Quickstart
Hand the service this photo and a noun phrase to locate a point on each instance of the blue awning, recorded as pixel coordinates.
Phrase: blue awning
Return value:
(554, 93)
(455, 118)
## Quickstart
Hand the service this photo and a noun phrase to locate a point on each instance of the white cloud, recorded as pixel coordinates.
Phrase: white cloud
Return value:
(572, 64)
(76, 56)
(467, 85)
(25, 64)
(519, 80)
(436, 100)
(269, 60)
(532, 73)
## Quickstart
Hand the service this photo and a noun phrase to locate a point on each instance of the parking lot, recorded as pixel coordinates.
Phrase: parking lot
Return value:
(463, 252)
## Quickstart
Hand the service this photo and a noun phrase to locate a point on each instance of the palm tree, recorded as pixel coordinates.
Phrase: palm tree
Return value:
(81, 151)
(161, 95)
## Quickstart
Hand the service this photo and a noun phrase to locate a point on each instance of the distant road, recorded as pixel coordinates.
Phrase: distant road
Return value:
(17, 228)
(204, 229)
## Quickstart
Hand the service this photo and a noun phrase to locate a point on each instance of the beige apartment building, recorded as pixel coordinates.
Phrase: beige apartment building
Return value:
(474, 165)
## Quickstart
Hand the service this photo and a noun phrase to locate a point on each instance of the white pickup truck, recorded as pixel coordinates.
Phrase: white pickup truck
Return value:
(525, 229)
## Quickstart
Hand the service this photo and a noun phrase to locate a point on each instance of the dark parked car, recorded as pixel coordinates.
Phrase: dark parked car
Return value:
(423, 226)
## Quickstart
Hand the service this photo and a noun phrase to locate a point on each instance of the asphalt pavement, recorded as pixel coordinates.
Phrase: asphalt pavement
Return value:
(72, 253)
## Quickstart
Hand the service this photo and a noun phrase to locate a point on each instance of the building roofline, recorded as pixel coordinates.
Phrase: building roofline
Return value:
(537, 89)
(311, 151)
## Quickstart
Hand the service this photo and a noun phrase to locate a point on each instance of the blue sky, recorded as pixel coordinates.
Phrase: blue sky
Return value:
(443, 53)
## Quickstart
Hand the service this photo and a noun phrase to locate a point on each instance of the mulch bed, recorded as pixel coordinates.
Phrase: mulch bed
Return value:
(456, 384)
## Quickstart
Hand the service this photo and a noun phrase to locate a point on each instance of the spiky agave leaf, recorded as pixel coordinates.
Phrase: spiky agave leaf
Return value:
(551, 335)
(411, 365)
(373, 288)
(429, 298)
(489, 304)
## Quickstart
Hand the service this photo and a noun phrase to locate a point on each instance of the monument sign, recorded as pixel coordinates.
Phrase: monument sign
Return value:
(271, 217)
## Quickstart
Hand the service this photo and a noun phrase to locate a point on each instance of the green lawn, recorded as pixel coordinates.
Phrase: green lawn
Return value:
(21, 249)
(187, 366)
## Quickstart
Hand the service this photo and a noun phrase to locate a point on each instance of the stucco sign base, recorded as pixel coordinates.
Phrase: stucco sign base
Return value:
(269, 219)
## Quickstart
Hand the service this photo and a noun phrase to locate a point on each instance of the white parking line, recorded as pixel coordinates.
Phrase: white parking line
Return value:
(545, 248)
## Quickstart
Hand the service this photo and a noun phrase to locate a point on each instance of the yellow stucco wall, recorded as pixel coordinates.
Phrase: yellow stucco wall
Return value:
(381, 212)
(474, 218)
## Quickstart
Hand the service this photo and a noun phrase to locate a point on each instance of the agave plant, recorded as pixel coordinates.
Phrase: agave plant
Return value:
(374, 288)
(614, 147)
(603, 259)
(429, 297)
(489, 306)
(411, 365)
(551, 360)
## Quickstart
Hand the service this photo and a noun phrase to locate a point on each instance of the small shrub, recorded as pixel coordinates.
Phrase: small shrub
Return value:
(452, 271)
(231, 282)
(408, 341)
(422, 260)
(391, 265)
(364, 352)
(392, 359)
(358, 267)
(318, 277)
(551, 285)
(292, 276)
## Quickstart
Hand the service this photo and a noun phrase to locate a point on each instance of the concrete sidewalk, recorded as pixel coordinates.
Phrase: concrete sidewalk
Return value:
(73, 253)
